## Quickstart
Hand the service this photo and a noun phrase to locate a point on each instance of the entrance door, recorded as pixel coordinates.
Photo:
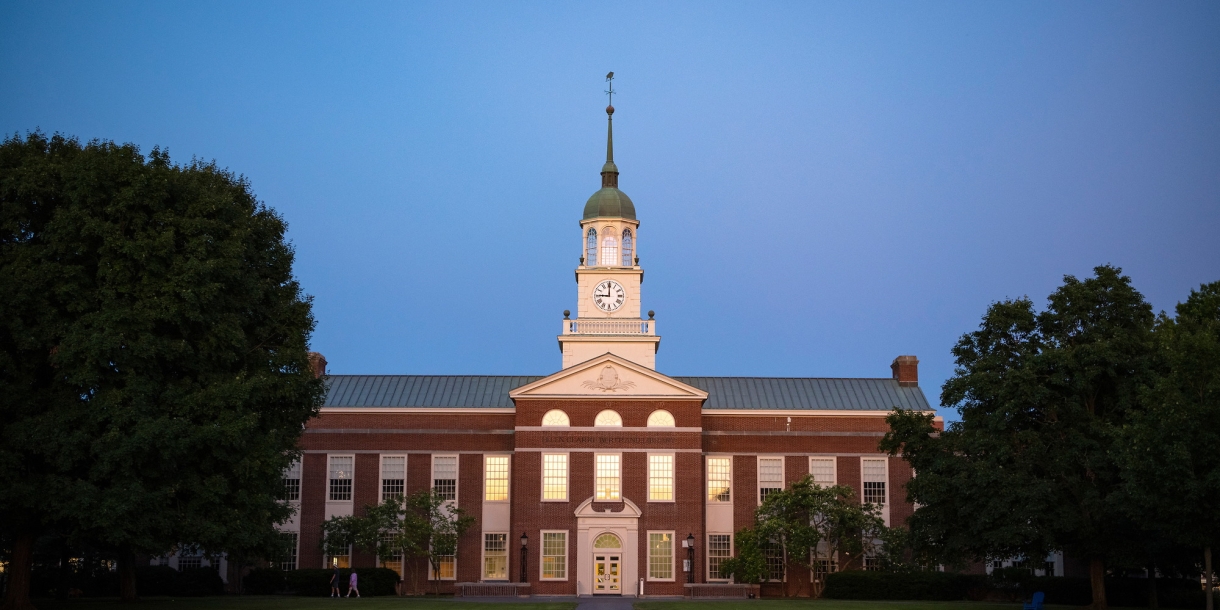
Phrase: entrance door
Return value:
(607, 576)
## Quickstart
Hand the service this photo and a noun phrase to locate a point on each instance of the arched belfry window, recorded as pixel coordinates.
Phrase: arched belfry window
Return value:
(555, 417)
(627, 244)
(591, 248)
(609, 250)
(661, 419)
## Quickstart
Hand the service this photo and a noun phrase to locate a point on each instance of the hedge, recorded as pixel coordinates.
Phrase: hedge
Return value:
(316, 583)
(150, 581)
(942, 586)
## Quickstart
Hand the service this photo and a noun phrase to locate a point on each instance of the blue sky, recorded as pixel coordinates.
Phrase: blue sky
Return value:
(822, 186)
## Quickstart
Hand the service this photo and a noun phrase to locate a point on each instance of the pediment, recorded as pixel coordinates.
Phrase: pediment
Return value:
(622, 508)
(607, 376)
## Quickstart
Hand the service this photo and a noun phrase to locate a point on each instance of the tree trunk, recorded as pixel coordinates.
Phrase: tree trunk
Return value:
(17, 597)
(1097, 579)
(127, 575)
(65, 569)
(1152, 600)
(1207, 568)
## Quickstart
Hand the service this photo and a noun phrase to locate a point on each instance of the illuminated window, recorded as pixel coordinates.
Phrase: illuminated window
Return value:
(341, 477)
(719, 548)
(608, 418)
(444, 476)
(660, 556)
(292, 482)
(660, 419)
(609, 254)
(495, 556)
(554, 476)
(554, 555)
(591, 248)
(874, 481)
(607, 477)
(660, 478)
(627, 243)
(770, 477)
(386, 541)
(823, 471)
(288, 561)
(719, 476)
(555, 417)
(342, 561)
(607, 541)
(446, 568)
(393, 476)
(495, 478)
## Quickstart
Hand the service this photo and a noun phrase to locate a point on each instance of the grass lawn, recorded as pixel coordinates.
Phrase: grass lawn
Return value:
(281, 602)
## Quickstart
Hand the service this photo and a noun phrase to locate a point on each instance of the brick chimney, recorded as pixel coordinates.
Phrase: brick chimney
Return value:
(906, 371)
(317, 362)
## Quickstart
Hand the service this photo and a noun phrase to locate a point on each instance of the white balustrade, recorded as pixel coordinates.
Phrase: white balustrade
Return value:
(608, 326)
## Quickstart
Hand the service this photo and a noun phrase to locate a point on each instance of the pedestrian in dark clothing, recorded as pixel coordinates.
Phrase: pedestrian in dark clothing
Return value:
(334, 581)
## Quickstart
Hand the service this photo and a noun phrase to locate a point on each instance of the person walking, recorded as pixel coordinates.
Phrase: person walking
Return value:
(351, 585)
(334, 580)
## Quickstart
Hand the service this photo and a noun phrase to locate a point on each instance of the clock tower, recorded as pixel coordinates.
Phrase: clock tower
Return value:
(608, 311)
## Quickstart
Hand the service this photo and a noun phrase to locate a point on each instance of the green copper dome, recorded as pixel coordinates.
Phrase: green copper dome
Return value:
(610, 202)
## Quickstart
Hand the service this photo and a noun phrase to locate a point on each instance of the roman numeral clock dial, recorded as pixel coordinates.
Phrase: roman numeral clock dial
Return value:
(609, 295)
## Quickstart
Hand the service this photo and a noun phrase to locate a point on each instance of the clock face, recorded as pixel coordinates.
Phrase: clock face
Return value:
(609, 295)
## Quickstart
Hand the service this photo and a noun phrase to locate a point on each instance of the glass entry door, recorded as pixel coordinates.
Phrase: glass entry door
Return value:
(607, 575)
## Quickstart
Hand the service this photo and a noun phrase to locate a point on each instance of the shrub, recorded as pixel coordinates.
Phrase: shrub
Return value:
(316, 583)
(930, 586)
(197, 582)
(264, 581)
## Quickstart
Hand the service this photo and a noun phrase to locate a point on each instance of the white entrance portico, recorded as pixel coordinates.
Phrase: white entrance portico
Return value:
(607, 548)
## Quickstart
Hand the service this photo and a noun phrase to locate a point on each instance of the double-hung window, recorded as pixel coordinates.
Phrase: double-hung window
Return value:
(719, 548)
(773, 555)
(770, 477)
(495, 556)
(660, 555)
(288, 559)
(554, 555)
(874, 481)
(341, 478)
(719, 479)
(822, 470)
(394, 562)
(292, 482)
(495, 478)
(393, 476)
(607, 477)
(661, 477)
(446, 568)
(445, 475)
(555, 476)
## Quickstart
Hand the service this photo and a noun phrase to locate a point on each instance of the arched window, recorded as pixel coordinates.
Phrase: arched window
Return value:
(627, 248)
(608, 418)
(555, 417)
(660, 419)
(609, 250)
(591, 248)
(607, 541)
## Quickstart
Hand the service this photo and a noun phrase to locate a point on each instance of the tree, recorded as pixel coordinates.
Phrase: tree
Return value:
(1171, 450)
(154, 376)
(1032, 466)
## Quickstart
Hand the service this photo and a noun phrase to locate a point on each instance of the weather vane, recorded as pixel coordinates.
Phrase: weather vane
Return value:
(610, 92)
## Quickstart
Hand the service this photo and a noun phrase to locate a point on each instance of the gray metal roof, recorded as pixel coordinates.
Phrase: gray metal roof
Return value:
(807, 393)
(758, 393)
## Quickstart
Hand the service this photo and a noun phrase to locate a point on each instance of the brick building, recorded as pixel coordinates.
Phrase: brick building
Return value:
(605, 471)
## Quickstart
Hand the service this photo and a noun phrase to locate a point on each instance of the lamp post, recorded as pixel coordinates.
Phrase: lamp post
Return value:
(525, 540)
(690, 557)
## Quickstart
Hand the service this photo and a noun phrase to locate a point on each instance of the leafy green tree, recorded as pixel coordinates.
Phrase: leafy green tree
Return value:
(749, 565)
(154, 374)
(1171, 451)
(1033, 464)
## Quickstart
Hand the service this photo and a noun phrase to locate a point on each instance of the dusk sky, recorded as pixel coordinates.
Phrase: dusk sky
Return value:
(821, 186)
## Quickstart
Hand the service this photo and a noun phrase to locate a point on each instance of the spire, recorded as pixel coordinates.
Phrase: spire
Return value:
(610, 170)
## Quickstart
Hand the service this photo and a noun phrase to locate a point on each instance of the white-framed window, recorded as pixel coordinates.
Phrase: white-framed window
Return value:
(292, 482)
(719, 548)
(871, 563)
(660, 555)
(661, 419)
(770, 476)
(609, 254)
(660, 477)
(554, 555)
(445, 476)
(873, 477)
(447, 568)
(822, 469)
(190, 561)
(591, 248)
(290, 540)
(395, 560)
(627, 243)
(341, 478)
(343, 561)
(554, 477)
(823, 567)
(719, 479)
(556, 418)
(393, 476)
(608, 419)
(495, 556)
(607, 477)
(495, 478)
(773, 554)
